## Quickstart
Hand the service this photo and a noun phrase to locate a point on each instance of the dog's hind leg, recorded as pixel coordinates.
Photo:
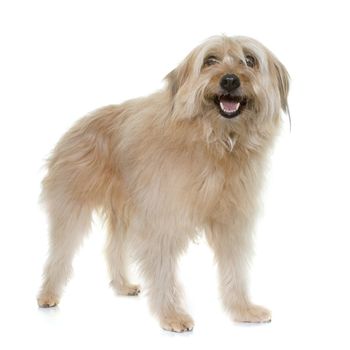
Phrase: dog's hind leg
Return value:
(69, 222)
(116, 253)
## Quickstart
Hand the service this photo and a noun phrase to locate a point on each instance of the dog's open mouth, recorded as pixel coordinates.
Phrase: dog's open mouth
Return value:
(230, 106)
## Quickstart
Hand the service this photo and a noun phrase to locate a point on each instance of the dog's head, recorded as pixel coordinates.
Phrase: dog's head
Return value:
(234, 82)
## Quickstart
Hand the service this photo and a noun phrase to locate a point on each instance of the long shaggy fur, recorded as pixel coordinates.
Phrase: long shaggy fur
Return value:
(163, 168)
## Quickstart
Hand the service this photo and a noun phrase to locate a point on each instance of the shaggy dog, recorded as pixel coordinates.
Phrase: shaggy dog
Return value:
(186, 159)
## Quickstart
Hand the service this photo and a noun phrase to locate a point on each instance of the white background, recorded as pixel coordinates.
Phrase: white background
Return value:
(62, 59)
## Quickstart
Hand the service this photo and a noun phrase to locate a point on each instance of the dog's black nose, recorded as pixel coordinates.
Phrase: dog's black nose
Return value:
(230, 82)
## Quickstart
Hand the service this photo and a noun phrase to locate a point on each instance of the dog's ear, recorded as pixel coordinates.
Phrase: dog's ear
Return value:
(172, 81)
(283, 83)
(177, 77)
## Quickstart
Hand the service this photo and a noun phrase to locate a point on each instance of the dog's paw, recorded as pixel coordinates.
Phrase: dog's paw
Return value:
(177, 323)
(252, 314)
(127, 289)
(46, 300)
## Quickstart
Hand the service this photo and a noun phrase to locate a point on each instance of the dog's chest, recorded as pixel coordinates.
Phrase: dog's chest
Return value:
(228, 185)
(190, 185)
(205, 184)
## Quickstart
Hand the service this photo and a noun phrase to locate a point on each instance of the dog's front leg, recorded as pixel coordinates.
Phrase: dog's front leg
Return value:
(157, 255)
(232, 245)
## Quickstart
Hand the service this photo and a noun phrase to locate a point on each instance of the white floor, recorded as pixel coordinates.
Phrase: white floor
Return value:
(308, 298)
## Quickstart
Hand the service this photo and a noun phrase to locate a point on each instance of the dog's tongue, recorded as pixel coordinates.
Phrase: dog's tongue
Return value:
(228, 105)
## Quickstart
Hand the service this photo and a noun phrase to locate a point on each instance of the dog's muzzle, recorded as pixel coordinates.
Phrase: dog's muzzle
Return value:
(230, 102)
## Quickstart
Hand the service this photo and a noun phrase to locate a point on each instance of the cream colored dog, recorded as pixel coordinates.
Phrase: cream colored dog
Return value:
(162, 168)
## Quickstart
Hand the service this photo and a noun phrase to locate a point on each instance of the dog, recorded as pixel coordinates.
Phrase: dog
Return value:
(189, 158)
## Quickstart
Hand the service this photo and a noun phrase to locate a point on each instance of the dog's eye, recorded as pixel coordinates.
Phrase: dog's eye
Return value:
(211, 60)
(250, 61)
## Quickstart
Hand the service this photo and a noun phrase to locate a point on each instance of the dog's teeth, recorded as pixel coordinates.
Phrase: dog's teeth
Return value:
(229, 107)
